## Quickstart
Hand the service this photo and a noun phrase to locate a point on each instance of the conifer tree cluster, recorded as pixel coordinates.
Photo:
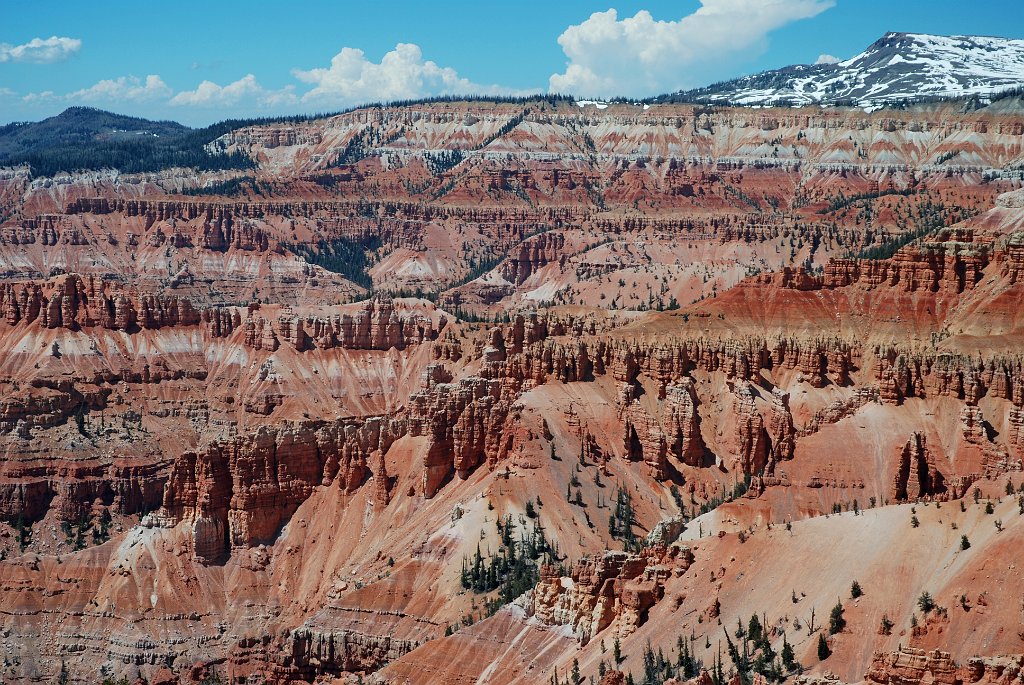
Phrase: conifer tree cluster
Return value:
(345, 256)
(512, 569)
(622, 519)
(442, 161)
(754, 654)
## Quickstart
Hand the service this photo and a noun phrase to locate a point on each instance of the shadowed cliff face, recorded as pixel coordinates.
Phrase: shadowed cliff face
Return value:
(666, 331)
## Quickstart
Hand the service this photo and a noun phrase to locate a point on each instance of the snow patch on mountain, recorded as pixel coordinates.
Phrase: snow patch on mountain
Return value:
(899, 66)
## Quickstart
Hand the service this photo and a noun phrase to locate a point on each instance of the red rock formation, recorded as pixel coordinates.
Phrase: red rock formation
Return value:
(963, 377)
(909, 666)
(917, 476)
(196, 428)
(761, 439)
(531, 256)
(613, 678)
(839, 410)
(613, 587)
(464, 422)
(76, 302)
(239, 492)
(377, 325)
(674, 429)
(315, 651)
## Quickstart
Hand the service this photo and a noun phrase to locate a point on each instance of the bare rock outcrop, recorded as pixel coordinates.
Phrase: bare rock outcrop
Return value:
(377, 325)
(910, 666)
(77, 302)
(614, 587)
(239, 492)
(917, 475)
(672, 427)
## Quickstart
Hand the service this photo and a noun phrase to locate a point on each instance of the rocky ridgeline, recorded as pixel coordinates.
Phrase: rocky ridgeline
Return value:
(764, 435)
(129, 488)
(818, 361)
(45, 403)
(1013, 258)
(469, 419)
(901, 374)
(955, 263)
(466, 422)
(237, 492)
(218, 233)
(378, 325)
(165, 210)
(548, 180)
(398, 223)
(838, 410)
(75, 302)
(274, 136)
(772, 137)
(917, 477)
(761, 438)
(319, 650)
(674, 430)
(935, 269)
(45, 229)
(471, 422)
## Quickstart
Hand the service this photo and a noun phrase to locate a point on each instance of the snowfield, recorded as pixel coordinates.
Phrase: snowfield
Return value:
(899, 66)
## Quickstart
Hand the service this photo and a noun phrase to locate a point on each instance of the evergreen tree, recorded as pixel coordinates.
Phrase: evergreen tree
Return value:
(788, 658)
(823, 651)
(754, 629)
(836, 621)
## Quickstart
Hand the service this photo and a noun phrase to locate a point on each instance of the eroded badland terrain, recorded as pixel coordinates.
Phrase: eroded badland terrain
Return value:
(475, 392)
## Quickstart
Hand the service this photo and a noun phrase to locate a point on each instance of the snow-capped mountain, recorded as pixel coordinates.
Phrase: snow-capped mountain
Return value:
(897, 67)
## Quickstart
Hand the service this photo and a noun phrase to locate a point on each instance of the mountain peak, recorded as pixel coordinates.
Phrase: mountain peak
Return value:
(895, 68)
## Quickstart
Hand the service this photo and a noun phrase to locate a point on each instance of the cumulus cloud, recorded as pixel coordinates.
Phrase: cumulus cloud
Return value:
(40, 97)
(401, 74)
(826, 59)
(639, 55)
(350, 79)
(124, 89)
(41, 50)
(246, 90)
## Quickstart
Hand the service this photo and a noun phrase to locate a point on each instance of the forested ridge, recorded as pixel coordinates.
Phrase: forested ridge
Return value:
(85, 138)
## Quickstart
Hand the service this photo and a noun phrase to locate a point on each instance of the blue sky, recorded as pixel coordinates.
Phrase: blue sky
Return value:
(199, 62)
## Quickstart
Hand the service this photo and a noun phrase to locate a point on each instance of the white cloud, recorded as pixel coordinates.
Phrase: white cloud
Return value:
(44, 96)
(825, 58)
(245, 91)
(350, 79)
(401, 74)
(639, 55)
(40, 50)
(124, 89)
